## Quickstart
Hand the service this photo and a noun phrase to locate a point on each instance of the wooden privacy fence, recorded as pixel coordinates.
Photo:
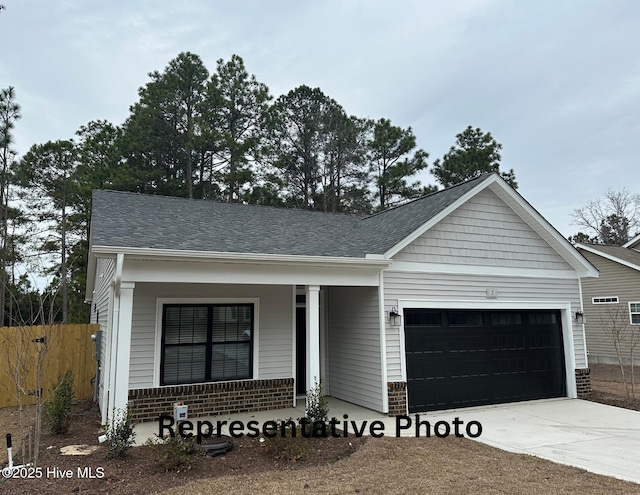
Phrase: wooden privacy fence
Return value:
(64, 347)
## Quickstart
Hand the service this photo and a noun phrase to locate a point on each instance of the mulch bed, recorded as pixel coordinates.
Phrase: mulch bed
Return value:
(142, 472)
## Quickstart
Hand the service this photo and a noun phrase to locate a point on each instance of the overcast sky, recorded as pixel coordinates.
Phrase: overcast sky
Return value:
(557, 83)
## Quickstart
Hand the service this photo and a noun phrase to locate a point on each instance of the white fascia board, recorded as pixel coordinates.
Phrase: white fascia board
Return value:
(608, 256)
(254, 258)
(440, 216)
(630, 244)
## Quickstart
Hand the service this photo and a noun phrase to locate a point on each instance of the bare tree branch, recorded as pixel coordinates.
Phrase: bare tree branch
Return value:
(594, 216)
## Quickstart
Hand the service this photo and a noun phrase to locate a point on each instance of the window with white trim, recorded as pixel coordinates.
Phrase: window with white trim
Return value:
(634, 313)
(605, 300)
(206, 342)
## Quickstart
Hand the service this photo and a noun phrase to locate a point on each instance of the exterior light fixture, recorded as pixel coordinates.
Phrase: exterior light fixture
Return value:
(580, 317)
(394, 317)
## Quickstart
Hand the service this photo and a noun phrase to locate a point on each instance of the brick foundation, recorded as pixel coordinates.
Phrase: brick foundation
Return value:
(583, 382)
(397, 398)
(210, 399)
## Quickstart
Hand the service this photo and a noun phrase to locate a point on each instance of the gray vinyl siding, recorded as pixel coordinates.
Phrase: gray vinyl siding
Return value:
(484, 231)
(355, 366)
(440, 287)
(275, 320)
(615, 280)
(105, 269)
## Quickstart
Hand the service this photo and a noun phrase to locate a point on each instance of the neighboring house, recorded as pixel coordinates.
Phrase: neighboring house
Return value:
(634, 243)
(611, 299)
(232, 307)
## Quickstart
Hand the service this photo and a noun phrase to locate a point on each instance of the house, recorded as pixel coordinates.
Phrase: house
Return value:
(464, 297)
(611, 301)
(634, 243)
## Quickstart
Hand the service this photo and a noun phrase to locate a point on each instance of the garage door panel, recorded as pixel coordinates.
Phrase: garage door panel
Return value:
(469, 392)
(430, 395)
(509, 366)
(508, 341)
(469, 367)
(426, 370)
(481, 357)
(467, 342)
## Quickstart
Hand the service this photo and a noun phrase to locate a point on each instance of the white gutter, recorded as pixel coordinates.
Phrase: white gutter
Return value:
(133, 252)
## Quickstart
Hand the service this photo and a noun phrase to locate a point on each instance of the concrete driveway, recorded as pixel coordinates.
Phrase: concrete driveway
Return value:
(596, 437)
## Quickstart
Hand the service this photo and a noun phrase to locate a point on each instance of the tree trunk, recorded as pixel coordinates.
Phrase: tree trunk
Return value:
(4, 204)
(63, 262)
(189, 149)
(202, 162)
(616, 345)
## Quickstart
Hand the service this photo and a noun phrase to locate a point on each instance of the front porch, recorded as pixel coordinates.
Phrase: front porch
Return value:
(337, 409)
(284, 337)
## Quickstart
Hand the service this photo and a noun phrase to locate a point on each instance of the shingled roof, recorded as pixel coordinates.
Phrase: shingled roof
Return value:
(621, 253)
(121, 219)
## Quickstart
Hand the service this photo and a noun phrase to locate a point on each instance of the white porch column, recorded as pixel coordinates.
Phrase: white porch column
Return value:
(120, 387)
(313, 334)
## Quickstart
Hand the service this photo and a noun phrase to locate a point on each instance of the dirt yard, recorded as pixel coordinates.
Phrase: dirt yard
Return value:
(328, 466)
(608, 387)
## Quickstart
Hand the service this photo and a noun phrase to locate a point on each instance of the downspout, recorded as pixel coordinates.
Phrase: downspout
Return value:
(117, 284)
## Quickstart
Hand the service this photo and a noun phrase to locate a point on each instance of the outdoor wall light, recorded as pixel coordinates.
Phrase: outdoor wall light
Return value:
(394, 317)
(580, 317)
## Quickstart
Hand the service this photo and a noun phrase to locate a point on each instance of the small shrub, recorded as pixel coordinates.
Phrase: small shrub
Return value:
(292, 446)
(58, 409)
(173, 453)
(120, 434)
(317, 407)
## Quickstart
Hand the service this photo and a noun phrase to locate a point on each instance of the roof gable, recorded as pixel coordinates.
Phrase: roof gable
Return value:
(383, 231)
(522, 209)
(483, 231)
(618, 254)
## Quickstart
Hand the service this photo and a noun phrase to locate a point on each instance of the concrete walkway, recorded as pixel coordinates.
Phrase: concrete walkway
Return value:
(595, 437)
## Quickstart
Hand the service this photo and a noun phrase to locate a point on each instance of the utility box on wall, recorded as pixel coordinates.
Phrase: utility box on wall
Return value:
(179, 411)
(97, 339)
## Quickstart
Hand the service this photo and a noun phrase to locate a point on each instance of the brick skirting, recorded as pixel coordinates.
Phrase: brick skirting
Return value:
(398, 391)
(397, 398)
(583, 382)
(210, 399)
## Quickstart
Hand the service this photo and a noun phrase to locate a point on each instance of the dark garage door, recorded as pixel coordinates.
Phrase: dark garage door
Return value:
(461, 358)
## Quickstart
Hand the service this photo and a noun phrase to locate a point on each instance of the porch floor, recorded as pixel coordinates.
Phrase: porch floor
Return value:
(337, 408)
